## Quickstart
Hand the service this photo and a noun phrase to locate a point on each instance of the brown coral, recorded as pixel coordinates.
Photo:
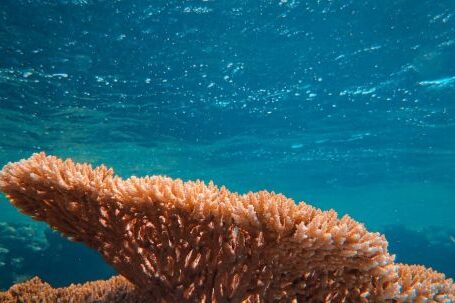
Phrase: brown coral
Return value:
(191, 242)
(114, 290)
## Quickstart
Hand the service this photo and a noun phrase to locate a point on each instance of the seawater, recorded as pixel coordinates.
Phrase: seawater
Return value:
(343, 104)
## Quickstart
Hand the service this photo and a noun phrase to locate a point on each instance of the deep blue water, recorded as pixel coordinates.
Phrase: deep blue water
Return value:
(344, 104)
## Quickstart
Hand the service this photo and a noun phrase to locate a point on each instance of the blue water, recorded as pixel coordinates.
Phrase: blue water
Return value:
(347, 105)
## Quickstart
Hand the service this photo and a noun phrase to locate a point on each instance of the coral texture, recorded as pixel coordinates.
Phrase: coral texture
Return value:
(114, 290)
(191, 242)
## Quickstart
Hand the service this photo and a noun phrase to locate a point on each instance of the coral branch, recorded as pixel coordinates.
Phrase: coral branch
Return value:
(114, 290)
(191, 242)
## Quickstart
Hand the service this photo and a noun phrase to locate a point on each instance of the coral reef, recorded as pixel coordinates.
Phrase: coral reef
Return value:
(191, 242)
(19, 245)
(29, 249)
(419, 246)
(114, 290)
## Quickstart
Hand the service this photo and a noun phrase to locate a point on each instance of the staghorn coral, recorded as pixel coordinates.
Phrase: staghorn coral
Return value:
(114, 290)
(191, 242)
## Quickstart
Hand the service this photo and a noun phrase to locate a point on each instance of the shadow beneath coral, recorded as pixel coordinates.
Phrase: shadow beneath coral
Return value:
(433, 247)
(28, 250)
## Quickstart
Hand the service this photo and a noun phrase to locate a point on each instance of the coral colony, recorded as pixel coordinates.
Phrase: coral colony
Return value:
(175, 241)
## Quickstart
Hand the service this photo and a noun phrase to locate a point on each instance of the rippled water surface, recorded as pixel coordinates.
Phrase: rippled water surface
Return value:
(344, 104)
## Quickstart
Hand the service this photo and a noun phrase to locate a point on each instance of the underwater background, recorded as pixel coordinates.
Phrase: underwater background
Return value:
(347, 105)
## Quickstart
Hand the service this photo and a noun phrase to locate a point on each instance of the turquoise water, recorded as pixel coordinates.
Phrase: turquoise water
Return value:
(343, 104)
